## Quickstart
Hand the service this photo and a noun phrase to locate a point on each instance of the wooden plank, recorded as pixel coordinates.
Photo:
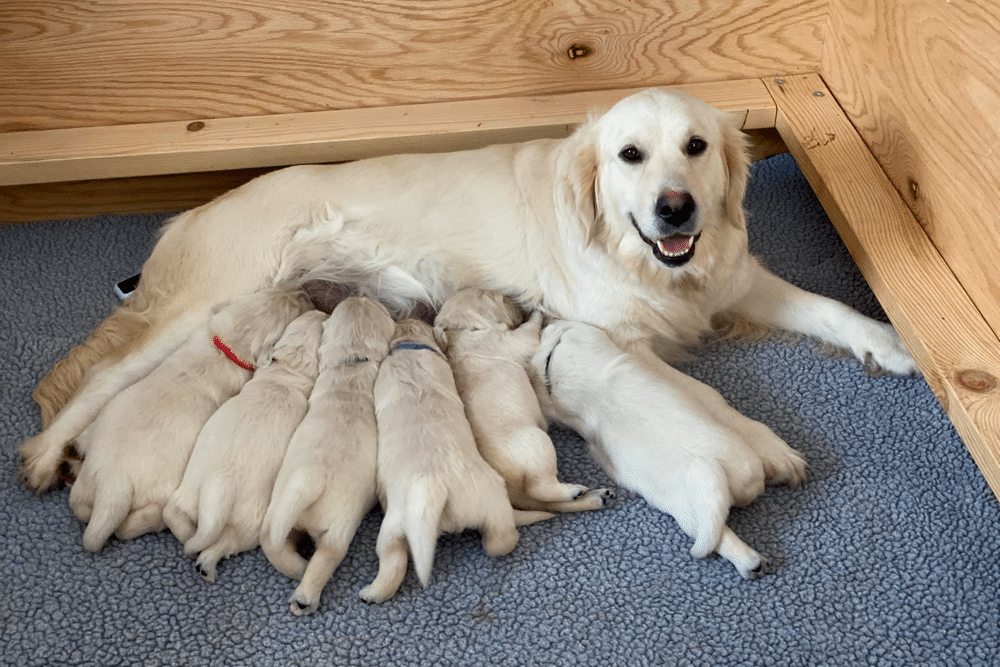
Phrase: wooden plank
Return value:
(956, 349)
(50, 156)
(67, 63)
(920, 79)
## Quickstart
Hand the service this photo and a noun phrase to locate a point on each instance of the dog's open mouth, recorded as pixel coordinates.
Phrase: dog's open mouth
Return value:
(674, 250)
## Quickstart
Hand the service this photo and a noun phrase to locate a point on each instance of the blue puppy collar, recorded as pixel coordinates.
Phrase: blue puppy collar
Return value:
(413, 346)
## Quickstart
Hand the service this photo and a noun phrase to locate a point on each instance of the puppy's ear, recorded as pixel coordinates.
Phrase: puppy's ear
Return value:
(737, 154)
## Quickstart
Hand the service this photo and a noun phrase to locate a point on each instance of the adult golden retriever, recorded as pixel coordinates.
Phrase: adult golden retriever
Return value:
(635, 224)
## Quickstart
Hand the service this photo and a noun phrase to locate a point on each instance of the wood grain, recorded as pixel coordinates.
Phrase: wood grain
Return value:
(81, 63)
(956, 349)
(49, 156)
(920, 79)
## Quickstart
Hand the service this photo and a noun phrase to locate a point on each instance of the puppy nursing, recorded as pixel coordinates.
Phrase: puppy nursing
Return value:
(664, 435)
(326, 484)
(431, 477)
(137, 448)
(218, 509)
(489, 347)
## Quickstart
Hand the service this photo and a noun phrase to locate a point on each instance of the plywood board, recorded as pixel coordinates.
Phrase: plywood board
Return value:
(51, 156)
(920, 79)
(956, 349)
(83, 64)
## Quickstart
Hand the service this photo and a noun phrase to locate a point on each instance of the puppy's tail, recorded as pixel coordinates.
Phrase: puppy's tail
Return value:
(287, 505)
(215, 505)
(112, 502)
(424, 505)
(708, 494)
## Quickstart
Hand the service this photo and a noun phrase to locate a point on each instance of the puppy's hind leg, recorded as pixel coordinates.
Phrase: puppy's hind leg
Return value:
(392, 559)
(179, 516)
(112, 501)
(750, 564)
(225, 546)
(330, 551)
(149, 519)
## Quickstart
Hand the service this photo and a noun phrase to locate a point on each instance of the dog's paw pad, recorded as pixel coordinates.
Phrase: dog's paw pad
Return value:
(300, 606)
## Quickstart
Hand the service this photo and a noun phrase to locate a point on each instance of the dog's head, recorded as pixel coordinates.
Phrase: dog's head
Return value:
(475, 308)
(253, 323)
(416, 331)
(658, 178)
(358, 326)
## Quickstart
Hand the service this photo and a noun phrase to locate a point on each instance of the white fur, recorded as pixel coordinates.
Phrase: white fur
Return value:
(547, 222)
(664, 435)
(136, 450)
(431, 478)
(326, 484)
(218, 508)
(489, 346)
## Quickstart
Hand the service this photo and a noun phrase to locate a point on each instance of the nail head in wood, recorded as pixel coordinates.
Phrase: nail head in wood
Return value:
(979, 381)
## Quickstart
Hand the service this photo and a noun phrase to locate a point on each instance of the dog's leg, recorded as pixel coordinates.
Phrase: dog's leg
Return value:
(392, 559)
(592, 499)
(750, 564)
(179, 516)
(499, 532)
(526, 518)
(149, 519)
(225, 546)
(215, 506)
(81, 496)
(42, 454)
(112, 502)
(330, 551)
(778, 304)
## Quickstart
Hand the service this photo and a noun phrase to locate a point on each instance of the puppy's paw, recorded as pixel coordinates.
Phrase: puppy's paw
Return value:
(206, 570)
(300, 604)
(755, 570)
(69, 468)
(605, 496)
(883, 353)
(371, 593)
(39, 464)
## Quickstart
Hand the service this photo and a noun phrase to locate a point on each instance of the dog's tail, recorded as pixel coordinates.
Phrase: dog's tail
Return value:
(708, 492)
(215, 505)
(424, 505)
(112, 503)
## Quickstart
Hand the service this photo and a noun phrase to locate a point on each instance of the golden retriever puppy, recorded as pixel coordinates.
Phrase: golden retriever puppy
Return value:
(218, 508)
(635, 223)
(136, 450)
(489, 346)
(664, 435)
(326, 484)
(431, 477)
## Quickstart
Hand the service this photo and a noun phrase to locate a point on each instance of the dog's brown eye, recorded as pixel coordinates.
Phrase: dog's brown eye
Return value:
(631, 154)
(696, 146)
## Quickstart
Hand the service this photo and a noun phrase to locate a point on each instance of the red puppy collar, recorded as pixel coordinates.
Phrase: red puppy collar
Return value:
(232, 356)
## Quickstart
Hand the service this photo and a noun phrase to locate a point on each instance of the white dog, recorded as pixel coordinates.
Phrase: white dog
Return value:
(218, 508)
(634, 223)
(431, 478)
(489, 346)
(326, 484)
(664, 435)
(136, 451)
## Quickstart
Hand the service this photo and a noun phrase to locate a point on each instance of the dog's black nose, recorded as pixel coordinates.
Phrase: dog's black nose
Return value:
(675, 208)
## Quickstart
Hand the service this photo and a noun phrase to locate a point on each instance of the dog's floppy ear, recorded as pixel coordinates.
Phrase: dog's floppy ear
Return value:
(578, 171)
(737, 154)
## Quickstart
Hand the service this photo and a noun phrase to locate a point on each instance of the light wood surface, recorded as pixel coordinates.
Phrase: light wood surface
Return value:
(50, 156)
(957, 351)
(920, 79)
(81, 63)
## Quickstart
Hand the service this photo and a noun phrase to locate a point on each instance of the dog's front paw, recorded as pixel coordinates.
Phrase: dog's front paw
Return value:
(206, 570)
(301, 604)
(757, 570)
(601, 496)
(69, 468)
(40, 461)
(883, 353)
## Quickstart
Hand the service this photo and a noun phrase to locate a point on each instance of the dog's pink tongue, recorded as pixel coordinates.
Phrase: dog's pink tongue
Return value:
(675, 244)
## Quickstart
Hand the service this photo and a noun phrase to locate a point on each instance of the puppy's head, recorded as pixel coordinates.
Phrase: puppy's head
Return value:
(475, 308)
(415, 331)
(253, 323)
(359, 326)
(666, 174)
(297, 346)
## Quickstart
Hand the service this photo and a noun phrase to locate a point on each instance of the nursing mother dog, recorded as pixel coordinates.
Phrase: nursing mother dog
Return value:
(634, 223)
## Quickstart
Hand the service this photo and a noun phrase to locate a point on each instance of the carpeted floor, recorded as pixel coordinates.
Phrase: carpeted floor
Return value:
(890, 555)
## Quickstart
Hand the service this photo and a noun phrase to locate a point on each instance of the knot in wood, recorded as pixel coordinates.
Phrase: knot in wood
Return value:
(978, 381)
(195, 126)
(914, 188)
(579, 51)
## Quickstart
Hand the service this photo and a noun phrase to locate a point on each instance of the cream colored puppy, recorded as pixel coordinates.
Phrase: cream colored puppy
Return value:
(326, 484)
(136, 450)
(664, 435)
(489, 347)
(218, 508)
(431, 477)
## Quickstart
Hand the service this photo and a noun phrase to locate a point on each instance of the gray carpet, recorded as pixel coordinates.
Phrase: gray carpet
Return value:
(890, 555)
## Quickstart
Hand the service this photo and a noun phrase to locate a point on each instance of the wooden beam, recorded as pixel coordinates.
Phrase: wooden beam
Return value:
(50, 156)
(955, 348)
